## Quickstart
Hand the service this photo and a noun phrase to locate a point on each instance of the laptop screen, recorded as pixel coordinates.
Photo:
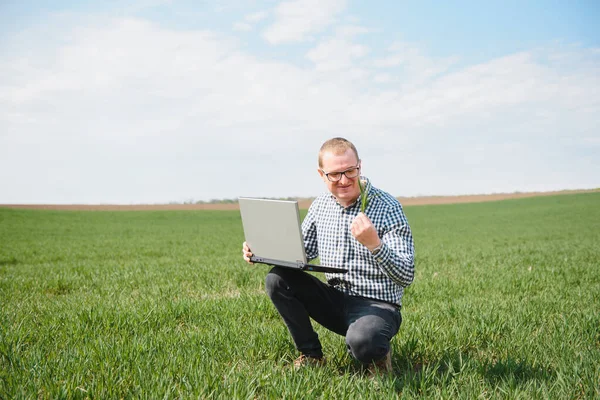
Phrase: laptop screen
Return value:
(272, 228)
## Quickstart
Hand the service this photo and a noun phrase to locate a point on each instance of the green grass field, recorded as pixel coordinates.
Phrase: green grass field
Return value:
(505, 304)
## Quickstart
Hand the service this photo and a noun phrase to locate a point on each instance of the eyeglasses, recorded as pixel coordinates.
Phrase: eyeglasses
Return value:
(336, 176)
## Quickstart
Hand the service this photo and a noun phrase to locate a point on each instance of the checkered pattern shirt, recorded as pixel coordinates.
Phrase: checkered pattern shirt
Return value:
(326, 231)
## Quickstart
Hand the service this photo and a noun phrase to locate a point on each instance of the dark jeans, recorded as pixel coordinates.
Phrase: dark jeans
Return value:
(367, 324)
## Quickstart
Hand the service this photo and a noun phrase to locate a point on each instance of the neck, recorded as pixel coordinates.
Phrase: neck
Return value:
(346, 203)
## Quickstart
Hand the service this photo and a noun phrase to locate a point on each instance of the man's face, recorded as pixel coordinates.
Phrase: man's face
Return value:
(346, 190)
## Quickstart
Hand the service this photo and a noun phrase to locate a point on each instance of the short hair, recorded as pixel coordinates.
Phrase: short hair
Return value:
(337, 146)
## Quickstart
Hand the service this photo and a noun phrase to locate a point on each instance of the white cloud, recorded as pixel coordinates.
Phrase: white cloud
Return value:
(335, 54)
(416, 67)
(297, 20)
(249, 21)
(126, 111)
(388, 61)
(382, 78)
(340, 52)
(350, 31)
(257, 16)
(242, 27)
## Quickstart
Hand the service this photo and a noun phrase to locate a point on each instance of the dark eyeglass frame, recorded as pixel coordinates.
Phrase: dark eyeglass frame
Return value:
(342, 173)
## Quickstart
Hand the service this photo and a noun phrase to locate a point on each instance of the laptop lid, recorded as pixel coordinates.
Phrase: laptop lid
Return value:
(274, 234)
(272, 228)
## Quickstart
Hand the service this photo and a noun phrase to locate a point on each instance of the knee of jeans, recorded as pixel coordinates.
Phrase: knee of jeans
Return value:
(274, 281)
(366, 345)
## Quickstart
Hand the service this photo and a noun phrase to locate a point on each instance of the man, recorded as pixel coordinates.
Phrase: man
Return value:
(376, 247)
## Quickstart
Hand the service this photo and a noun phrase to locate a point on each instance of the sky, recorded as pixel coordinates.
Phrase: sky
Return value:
(154, 101)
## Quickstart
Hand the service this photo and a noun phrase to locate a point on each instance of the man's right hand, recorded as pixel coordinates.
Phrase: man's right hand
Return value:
(246, 253)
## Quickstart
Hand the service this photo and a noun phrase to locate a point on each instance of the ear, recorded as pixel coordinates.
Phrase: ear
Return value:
(321, 174)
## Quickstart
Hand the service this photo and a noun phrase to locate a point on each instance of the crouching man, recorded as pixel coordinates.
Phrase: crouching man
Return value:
(376, 247)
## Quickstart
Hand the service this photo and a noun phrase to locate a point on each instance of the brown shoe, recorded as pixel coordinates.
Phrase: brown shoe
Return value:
(308, 361)
(383, 366)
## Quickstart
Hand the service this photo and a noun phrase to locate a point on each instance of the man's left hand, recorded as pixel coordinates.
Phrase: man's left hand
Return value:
(364, 231)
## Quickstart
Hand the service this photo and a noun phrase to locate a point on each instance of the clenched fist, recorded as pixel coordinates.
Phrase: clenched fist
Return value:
(364, 231)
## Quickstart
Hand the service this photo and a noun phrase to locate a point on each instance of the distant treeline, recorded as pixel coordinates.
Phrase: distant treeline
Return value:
(230, 201)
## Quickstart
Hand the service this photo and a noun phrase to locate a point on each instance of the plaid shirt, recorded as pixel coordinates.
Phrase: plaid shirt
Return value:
(326, 231)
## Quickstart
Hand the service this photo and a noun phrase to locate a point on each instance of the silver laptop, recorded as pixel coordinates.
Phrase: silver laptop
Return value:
(274, 235)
